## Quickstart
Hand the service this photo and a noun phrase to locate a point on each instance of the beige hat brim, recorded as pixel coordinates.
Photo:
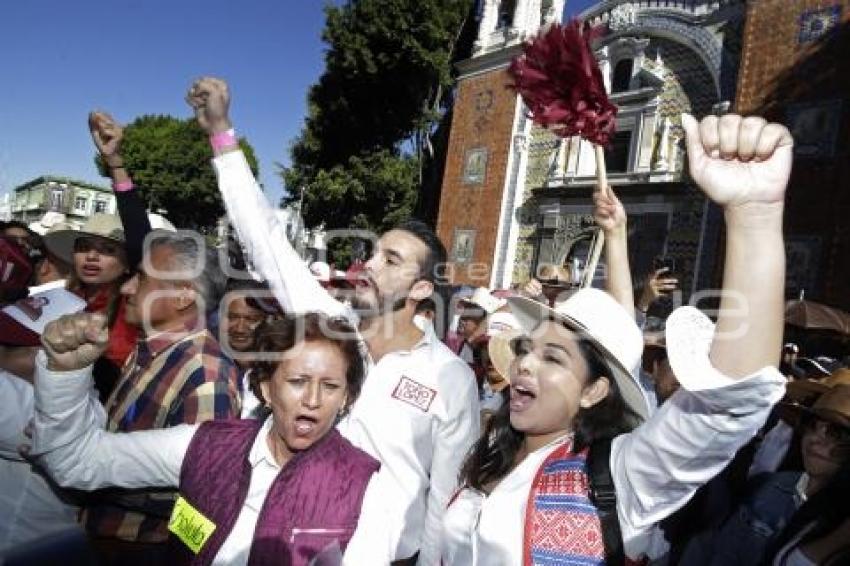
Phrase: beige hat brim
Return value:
(502, 353)
(61, 242)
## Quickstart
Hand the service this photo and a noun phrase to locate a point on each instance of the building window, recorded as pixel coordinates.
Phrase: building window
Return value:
(56, 198)
(80, 204)
(622, 76)
(506, 13)
(99, 206)
(617, 154)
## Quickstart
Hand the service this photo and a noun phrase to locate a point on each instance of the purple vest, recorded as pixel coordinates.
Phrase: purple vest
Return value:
(313, 503)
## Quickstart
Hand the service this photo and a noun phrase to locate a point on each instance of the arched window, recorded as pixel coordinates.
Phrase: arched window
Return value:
(622, 75)
(506, 14)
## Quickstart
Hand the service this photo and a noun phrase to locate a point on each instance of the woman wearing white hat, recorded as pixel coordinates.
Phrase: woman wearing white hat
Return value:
(529, 493)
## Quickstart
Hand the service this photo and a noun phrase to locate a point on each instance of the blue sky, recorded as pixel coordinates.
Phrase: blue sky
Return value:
(61, 59)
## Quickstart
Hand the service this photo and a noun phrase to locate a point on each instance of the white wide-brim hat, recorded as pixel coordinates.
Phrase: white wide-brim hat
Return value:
(598, 318)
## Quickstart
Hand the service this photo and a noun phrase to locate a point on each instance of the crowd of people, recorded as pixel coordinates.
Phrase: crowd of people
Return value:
(160, 407)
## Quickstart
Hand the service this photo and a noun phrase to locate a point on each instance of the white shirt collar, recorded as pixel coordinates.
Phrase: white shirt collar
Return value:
(802, 486)
(260, 450)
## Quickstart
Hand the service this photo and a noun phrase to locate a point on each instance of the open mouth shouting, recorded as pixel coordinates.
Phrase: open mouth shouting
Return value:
(305, 425)
(522, 396)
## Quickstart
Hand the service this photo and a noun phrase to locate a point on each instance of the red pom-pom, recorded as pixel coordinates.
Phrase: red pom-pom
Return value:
(560, 82)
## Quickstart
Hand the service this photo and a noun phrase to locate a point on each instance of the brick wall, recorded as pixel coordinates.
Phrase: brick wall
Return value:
(483, 117)
(789, 70)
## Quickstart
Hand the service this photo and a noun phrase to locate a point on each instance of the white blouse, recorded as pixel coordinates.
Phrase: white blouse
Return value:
(483, 529)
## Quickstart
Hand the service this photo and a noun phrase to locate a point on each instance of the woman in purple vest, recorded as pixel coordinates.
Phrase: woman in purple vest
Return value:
(287, 489)
(525, 496)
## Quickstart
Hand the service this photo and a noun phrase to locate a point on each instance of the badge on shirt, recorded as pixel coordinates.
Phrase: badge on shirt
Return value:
(190, 525)
(414, 393)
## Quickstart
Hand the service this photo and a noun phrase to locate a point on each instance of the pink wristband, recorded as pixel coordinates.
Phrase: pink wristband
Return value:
(223, 140)
(123, 186)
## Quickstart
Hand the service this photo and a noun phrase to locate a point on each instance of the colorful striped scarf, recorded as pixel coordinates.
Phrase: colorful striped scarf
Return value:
(562, 525)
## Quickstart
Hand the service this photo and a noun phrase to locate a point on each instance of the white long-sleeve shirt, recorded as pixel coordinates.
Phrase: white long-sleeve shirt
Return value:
(656, 468)
(418, 409)
(31, 506)
(80, 454)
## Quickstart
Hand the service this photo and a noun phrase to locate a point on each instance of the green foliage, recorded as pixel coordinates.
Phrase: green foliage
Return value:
(374, 191)
(388, 67)
(169, 159)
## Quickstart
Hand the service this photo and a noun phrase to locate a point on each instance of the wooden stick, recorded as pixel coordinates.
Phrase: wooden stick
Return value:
(601, 173)
(599, 240)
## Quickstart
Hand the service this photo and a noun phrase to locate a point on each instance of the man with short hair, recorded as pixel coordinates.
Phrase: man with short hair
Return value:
(21, 234)
(418, 409)
(242, 314)
(177, 374)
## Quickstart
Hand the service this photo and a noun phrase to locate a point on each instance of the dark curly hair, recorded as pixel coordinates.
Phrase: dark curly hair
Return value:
(282, 335)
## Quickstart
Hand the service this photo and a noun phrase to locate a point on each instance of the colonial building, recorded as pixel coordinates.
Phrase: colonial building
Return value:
(75, 199)
(515, 197)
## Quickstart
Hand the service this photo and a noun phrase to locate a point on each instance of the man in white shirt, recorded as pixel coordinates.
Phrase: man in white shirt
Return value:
(418, 409)
(32, 506)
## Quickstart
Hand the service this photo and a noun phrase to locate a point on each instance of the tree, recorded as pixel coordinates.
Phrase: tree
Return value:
(169, 159)
(373, 191)
(359, 157)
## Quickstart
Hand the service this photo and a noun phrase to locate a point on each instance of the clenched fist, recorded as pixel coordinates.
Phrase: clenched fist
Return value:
(739, 161)
(75, 341)
(107, 134)
(210, 99)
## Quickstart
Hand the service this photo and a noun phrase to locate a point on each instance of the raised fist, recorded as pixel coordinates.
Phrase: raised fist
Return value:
(107, 135)
(210, 99)
(738, 161)
(75, 341)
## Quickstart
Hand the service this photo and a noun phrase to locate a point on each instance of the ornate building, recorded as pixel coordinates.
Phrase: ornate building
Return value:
(515, 197)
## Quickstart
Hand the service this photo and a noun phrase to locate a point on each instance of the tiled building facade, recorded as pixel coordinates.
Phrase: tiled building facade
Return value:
(795, 69)
(515, 197)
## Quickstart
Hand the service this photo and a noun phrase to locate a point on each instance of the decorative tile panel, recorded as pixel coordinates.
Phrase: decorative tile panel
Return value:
(814, 24)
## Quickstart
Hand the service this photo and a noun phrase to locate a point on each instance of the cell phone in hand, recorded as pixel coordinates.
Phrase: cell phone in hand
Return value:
(662, 262)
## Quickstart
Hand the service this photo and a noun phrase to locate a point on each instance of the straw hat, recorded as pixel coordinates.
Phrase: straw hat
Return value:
(598, 318)
(506, 326)
(833, 405)
(61, 243)
(803, 389)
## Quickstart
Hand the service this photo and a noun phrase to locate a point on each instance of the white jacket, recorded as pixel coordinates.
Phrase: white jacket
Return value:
(417, 411)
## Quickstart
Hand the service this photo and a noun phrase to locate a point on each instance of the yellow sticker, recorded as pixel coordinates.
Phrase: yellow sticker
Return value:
(190, 525)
